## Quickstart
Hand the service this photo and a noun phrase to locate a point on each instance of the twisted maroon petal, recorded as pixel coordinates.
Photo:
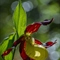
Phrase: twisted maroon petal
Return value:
(34, 27)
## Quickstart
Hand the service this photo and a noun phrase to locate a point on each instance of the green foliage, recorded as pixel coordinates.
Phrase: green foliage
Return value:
(59, 58)
(7, 43)
(19, 18)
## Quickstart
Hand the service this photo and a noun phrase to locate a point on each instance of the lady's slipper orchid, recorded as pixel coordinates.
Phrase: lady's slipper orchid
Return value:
(30, 48)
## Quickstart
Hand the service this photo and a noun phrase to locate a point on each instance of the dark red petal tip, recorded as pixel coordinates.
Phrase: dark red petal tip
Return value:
(46, 22)
(6, 52)
(50, 43)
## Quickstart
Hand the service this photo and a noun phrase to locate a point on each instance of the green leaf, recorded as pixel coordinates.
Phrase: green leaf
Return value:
(7, 43)
(19, 18)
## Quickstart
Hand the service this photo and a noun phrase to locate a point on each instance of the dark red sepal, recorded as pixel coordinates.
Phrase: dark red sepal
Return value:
(6, 52)
(32, 28)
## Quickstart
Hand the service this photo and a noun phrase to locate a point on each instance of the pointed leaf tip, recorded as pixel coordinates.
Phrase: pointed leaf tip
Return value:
(20, 19)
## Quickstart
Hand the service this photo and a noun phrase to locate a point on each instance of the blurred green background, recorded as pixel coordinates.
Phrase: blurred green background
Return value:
(37, 11)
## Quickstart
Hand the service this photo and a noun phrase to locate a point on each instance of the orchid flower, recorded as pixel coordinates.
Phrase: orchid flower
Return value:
(31, 48)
